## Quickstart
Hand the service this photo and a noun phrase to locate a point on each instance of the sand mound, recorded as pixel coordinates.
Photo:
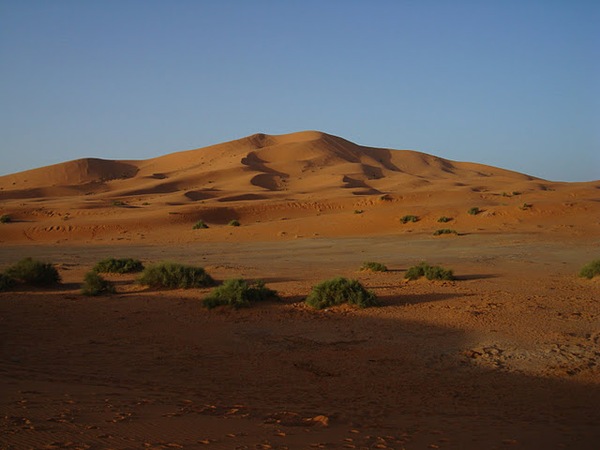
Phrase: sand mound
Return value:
(265, 178)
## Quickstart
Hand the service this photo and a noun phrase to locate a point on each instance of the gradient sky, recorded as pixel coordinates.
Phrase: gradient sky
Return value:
(514, 84)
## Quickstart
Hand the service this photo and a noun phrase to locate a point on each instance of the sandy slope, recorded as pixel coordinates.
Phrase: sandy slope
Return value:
(506, 356)
(263, 180)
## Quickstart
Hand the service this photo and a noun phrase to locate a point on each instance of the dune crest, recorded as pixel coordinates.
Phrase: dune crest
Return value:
(262, 178)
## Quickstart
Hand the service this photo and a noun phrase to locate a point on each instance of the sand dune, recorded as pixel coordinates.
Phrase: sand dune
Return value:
(263, 178)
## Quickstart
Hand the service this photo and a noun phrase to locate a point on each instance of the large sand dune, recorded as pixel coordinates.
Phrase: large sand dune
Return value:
(506, 356)
(261, 179)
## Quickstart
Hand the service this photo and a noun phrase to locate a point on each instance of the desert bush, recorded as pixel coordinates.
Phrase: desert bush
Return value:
(33, 272)
(6, 282)
(526, 206)
(174, 275)
(199, 225)
(239, 293)
(5, 218)
(430, 272)
(409, 218)
(118, 203)
(474, 211)
(444, 219)
(121, 265)
(444, 231)
(234, 223)
(590, 270)
(374, 267)
(340, 290)
(94, 284)
(358, 211)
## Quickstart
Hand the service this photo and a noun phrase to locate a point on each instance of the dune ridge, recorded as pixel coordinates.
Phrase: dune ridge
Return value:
(263, 178)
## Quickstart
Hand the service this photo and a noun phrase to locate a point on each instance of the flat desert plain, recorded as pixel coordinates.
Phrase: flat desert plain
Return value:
(505, 356)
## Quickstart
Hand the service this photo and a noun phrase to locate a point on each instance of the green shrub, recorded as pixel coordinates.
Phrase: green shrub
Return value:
(590, 270)
(199, 225)
(444, 231)
(429, 272)
(474, 211)
(374, 267)
(122, 265)
(174, 275)
(94, 284)
(409, 218)
(239, 293)
(444, 219)
(6, 282)
(340, 290)
(5, 218)
(234, 223)
(36, 273)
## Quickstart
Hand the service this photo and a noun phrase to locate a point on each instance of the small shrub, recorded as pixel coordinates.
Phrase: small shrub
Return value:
(429, 272)
(239, 293)
(590, 270)
(444, 219)
(122, 265)
(340, 290)
(173, 275)
(33, 272)
(6, 282)
(94, 284)
(199, 225)
(526, 206)
(358, 211)
(234, 223)
(374, 267)
(118, 203)
(409, 218)
(5, 218)
(474, 211)
(444, 231)
(516, 193)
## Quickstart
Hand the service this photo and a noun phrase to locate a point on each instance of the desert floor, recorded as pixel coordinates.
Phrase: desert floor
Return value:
(506, 356)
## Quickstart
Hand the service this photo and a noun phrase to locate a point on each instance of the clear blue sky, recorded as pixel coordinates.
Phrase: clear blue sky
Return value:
(510, 83)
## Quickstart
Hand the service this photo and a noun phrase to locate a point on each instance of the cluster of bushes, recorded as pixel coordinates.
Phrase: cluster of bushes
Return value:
(200, 225)
(444, 231)
(430, 272)
(239, 293)
(590, 270)
(374, 266)
(29, 272)
(122, 265)
(409, 218)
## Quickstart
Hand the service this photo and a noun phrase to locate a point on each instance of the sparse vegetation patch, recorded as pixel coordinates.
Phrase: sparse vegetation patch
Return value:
(444, 219)
(429, 272)
(33, 272)
(5, 218)
(239, 293)
(94, 284)
(474, 211)
(409, 218)
(199, 225)
(374, 267)
(234, 223)
(6, 282)
(358, 211)
(590, 270)
(444, 231)
(340, 290)
(121, 265)
(174, 275)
